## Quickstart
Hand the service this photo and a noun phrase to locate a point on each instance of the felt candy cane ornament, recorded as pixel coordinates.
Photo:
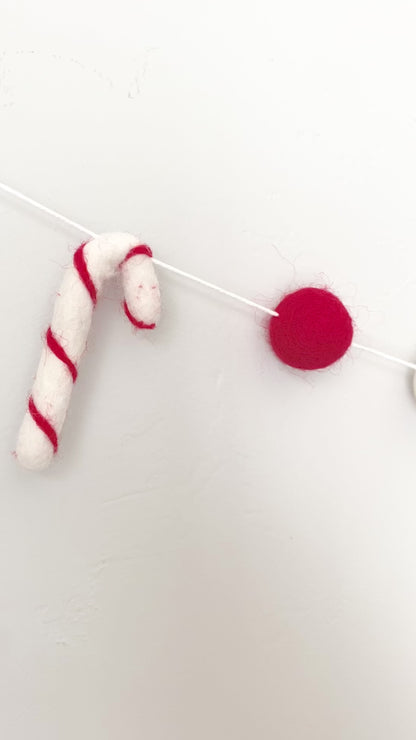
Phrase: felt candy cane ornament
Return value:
(93, 263)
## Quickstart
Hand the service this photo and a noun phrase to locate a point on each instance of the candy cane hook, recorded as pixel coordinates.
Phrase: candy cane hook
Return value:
(66, 338)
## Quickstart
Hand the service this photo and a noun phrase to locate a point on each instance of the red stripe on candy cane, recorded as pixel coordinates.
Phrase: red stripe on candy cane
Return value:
(81, 266)
(140, 249)
(137, 324)
(60, 353)
(43, 424)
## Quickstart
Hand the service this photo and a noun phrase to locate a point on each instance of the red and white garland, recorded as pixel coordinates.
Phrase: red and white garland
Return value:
(309, 329)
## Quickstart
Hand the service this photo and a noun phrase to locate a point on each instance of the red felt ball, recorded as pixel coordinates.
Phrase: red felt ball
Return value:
(313, 329)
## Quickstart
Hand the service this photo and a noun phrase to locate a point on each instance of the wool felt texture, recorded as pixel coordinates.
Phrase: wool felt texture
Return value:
(313, 329)
(65, 341)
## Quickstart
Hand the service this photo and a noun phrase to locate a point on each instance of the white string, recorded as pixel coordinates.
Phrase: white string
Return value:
(45, 209)
(385, 356)
(196, 279)
(164, 265)
(74, 224)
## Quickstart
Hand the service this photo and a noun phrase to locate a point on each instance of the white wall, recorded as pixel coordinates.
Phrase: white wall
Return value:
(233, 554)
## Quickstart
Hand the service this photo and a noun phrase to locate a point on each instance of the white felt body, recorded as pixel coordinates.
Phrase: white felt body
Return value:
(71, 323)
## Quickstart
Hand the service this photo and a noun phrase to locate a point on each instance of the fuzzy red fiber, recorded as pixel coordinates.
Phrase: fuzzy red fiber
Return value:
(43, 424)
(60, 353)
(313, 329)
(135, 322)
(80, 264)
(140, 249)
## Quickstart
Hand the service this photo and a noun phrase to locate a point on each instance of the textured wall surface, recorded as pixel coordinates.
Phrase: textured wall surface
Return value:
(225, 548)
